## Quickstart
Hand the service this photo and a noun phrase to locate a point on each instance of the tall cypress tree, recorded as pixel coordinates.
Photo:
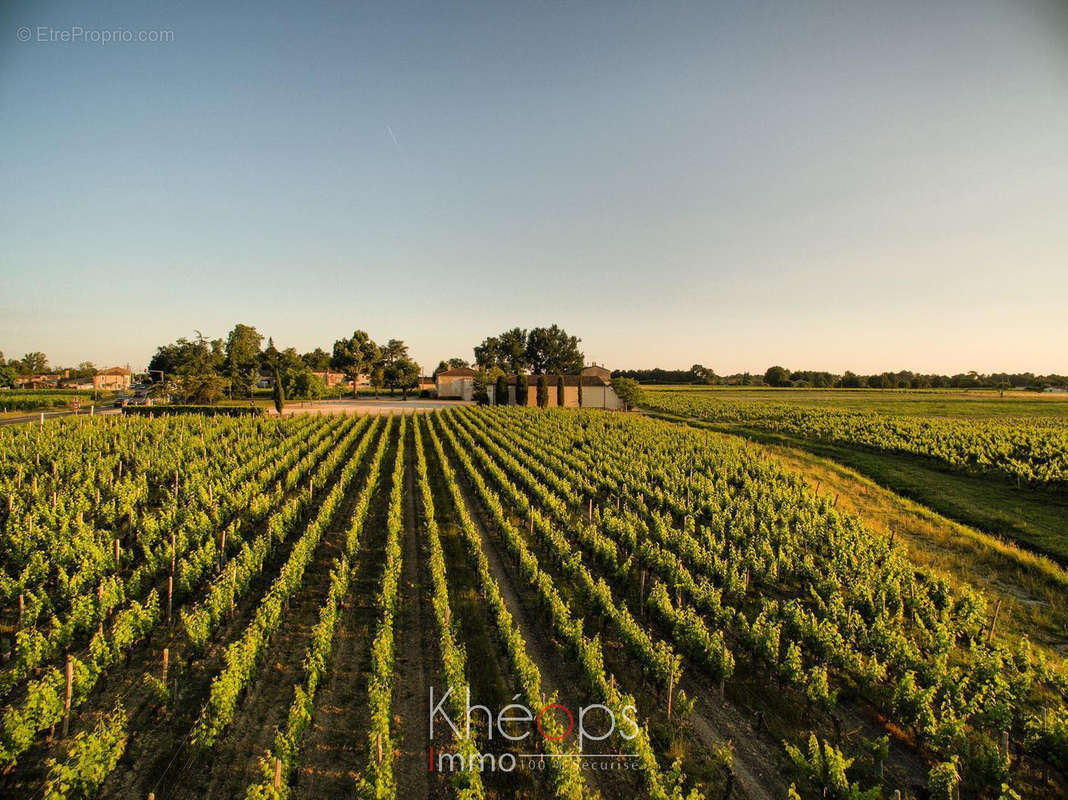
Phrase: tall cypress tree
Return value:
(279, 393)
(543, 392)
(501, 391)
(521, 390)
(560, 391)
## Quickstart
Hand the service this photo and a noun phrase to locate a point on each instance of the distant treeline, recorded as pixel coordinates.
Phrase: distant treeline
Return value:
(906, 379)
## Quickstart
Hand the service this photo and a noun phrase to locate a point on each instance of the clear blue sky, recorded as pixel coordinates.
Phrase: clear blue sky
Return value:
(847, 185)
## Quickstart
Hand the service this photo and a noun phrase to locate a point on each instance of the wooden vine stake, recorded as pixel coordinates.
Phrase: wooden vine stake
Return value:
(116, 552)
(671, 691)
(590, 513)
(166, 663)
(994, 621)
(67, 696)
(277, 774)
(378, 746)
(170, 596)
(22, 608)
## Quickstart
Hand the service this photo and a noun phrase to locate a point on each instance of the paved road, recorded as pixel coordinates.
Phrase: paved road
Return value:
(36, 416)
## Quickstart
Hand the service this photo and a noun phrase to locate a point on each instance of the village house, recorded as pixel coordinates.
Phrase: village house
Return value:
(40, 381)
(112, 379)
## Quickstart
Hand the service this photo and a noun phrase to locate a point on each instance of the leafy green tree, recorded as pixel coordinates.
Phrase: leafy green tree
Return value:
(580, 392)
(7, 376)
(242, 359)
(543, 392)
(553, 350)
(403, 374)
(501, 391)
(378, 378)
(777, 376)
(279, 393)
(560, 392)
(488, 354)
(521, 392)
(355, 356)
(627, 390)
(185, 356)
(305, 385)
(392, 352)
(318, 360)
(512, 351)
(34, 363)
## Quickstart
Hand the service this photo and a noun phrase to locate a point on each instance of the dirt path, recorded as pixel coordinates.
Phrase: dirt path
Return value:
(335, 746)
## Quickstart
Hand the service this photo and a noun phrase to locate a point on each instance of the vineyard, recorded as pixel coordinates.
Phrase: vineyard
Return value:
(580, 604)
(1025, 450)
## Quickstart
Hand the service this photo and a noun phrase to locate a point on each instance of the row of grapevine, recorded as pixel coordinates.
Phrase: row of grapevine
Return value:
(566, 777)
(453, 659)
(378, 780)
(1035, 451)
(916, 649)
(242, 657)
(191, 560)
(279, 761)
(658, 783)
(201, 620)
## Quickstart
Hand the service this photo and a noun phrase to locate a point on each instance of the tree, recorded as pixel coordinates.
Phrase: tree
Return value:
(242, 359)
(580, 391)
(34, 363)
(521, 390)
(512, 351)
(186, 356)
(501, 391)
(355, 356)
(488, 354)
(480, 388)
(279, 393)
(318, 359)
(777, 376)
(306, 385)
(392, 352)
(543, 392)
(560, 394)
(7, 375)
(198, 380)
(627, 390)
(403, 374)
(85, 369)
(553, 350)
(378, 378)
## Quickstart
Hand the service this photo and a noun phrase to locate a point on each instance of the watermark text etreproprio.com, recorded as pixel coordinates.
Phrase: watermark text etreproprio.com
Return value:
(78, 34)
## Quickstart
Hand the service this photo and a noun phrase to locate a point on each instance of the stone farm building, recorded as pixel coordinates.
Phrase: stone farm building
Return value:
(456, 384)
(112, 379)
(597, 392)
